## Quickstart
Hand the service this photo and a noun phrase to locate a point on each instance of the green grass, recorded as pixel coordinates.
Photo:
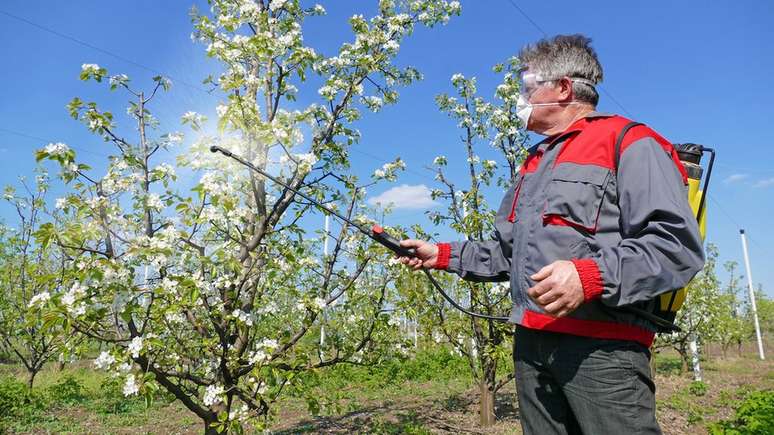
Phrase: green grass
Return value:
(72, 400)
(415, 396)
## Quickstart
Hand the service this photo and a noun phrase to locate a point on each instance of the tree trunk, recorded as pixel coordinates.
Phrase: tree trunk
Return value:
(31, 378)
(696, 365)
(486, 405)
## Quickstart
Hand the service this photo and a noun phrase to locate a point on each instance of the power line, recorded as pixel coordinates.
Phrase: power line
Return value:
(40, 139)
(734, 221)
(101, 50)
(383, 159)
(545, 34)
(524, 14)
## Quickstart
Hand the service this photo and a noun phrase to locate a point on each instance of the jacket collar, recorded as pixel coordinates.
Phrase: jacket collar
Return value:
(573, 128)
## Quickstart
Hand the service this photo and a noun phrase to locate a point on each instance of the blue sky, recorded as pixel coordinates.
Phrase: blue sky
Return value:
(695, 71)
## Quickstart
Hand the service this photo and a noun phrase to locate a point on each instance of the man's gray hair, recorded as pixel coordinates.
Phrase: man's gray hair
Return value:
(566, 56)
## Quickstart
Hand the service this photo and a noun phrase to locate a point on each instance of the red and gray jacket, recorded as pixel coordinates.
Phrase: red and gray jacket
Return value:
(628, 229)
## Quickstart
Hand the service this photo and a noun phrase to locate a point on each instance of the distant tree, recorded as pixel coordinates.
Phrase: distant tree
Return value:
(30, 275)
(765, 307)
(702, 314)
(732, 327)
(486, 128)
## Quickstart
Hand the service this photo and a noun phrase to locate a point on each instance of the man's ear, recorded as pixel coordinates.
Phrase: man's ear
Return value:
(565, 89)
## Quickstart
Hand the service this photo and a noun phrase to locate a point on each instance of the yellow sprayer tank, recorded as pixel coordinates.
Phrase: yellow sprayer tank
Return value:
(690, 155)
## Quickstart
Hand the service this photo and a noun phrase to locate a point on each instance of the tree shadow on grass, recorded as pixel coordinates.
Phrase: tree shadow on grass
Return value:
(373, 419)
(455, 413)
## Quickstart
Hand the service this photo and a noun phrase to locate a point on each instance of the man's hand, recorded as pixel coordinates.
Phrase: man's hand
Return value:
(558, 290)
(426, 254)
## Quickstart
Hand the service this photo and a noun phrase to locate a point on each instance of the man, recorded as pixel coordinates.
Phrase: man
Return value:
(583, 232)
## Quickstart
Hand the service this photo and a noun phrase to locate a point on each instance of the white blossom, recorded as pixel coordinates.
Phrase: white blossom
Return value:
(90, 68)
(319, 303)
(135, 347)
(391, 45)
(57, 149)
(268, 343)
(69, 298)
(39, 299)
(153, 201)
(212, 396)
(120, 79)
(164, 170)
(242, 317)
(239, 414)
(276, 4)
(258, 356)
(175, 137)
(373, 103)
(61, 203)
(104, 360)
(96, 123)
(328, 92)
(168, 285)
(130, 387)
(305, 160)
(193, 118)
(248, 8)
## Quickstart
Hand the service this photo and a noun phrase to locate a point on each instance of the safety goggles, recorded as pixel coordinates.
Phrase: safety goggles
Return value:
(530, 82)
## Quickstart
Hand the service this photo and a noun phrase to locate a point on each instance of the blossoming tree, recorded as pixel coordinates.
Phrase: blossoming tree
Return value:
(485, 343)
(217, 296)
(31, 274)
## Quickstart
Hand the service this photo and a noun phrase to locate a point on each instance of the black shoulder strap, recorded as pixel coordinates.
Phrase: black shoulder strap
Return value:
(620, 139)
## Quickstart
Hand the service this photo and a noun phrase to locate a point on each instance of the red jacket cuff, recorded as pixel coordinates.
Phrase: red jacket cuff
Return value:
(590, 277)
(444, 252)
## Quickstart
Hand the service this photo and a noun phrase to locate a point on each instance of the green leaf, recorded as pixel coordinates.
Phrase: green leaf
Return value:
(45, 234)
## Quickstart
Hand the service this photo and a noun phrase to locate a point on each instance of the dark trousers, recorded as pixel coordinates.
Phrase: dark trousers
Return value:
(577, 385)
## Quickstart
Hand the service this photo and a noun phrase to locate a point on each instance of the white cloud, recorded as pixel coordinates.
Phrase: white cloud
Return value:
(734, 178)
(406, 197)
(765, 182)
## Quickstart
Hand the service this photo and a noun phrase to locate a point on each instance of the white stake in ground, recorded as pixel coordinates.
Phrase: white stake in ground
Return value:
(752, 295)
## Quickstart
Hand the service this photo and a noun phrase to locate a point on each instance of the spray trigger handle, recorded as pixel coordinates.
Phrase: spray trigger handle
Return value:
(390, 242)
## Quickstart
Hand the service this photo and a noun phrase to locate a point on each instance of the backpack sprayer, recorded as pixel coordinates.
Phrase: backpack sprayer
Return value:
(376, 232)
(667, 304)
(662, 310)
